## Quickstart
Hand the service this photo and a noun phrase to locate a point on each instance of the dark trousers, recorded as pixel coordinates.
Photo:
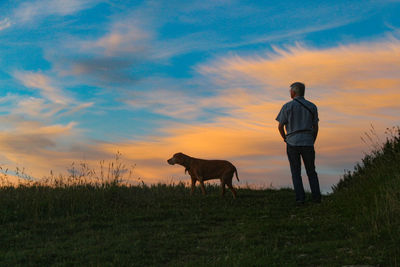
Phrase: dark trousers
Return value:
(308, 155)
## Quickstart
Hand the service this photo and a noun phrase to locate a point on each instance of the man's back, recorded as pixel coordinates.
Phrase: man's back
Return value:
(299, 119)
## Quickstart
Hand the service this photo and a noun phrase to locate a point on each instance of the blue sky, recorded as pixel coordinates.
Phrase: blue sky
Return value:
(82, 79)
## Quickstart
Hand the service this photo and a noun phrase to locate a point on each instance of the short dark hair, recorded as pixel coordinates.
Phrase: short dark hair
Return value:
(298, 88)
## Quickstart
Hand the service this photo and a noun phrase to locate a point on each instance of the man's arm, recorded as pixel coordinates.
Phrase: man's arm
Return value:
(315, 128)
(282, 131)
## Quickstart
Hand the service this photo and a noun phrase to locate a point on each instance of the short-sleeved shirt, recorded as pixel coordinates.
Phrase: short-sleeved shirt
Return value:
(299, 121)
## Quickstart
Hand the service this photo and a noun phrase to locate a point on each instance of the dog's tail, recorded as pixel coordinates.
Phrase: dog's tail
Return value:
(237, 177)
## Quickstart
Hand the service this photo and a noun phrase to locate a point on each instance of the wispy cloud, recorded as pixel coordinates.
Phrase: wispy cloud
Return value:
(32, 10)
(111, 60)
(36, 107)
(122, 39)
(350, 75)
(292, 34)
(43, 84)
(50, 103)
(5, 23)
(173, 103)
(40, 147)
(27, 137)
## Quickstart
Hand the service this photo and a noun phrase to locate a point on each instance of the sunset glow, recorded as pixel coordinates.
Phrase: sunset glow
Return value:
(83, 80)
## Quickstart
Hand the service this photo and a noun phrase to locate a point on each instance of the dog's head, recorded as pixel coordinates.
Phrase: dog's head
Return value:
(178, 158)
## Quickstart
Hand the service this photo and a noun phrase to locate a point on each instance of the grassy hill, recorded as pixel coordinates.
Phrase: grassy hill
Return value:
(111, 224)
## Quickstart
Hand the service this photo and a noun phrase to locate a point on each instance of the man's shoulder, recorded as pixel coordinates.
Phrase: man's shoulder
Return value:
(287, 104)
(292, 103)
(309, 103)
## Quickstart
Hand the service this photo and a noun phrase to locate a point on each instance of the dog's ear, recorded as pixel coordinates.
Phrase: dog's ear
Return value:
(186, 159)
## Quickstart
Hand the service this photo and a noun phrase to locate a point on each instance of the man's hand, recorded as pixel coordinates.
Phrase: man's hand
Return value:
(282, 131)
(315, 128)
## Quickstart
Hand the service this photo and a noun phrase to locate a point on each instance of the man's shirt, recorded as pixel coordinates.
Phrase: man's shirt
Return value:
(299, 121)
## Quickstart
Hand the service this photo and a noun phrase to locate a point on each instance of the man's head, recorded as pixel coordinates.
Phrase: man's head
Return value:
(297, 89)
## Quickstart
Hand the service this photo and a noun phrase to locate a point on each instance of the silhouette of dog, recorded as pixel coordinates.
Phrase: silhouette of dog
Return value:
(202, 170)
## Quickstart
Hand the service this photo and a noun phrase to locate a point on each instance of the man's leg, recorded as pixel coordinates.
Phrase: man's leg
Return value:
(295, 168)
(308, 155)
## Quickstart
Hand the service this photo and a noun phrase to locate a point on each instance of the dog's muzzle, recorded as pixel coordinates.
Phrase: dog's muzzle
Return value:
(171, 161)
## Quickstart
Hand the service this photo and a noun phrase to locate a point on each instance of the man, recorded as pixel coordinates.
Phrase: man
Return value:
(300, 118)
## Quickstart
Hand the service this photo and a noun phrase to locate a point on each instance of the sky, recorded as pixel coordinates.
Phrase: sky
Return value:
(81, 80)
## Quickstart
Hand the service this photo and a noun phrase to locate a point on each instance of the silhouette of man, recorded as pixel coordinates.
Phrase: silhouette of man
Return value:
(300, 118)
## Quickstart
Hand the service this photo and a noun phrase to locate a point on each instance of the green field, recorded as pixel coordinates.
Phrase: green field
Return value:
(112, 224)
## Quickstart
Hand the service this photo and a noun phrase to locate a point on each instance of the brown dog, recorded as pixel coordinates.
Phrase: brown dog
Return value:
(202, 170)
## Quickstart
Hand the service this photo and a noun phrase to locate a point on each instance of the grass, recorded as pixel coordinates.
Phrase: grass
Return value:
(113, 224)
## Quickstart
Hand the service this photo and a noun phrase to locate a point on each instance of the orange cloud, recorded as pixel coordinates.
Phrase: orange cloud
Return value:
(328, 68)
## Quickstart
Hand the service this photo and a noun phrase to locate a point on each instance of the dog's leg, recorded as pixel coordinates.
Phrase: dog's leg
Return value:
(193, 186)
(222, 187)
(229, 184)
(202, 186)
